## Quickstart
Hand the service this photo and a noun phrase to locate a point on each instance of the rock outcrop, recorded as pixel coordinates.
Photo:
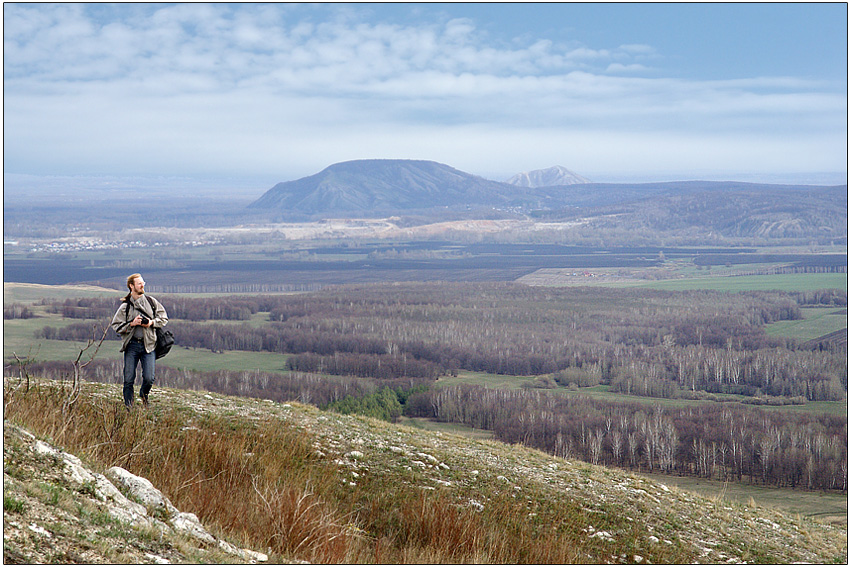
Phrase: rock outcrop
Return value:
(138, 502)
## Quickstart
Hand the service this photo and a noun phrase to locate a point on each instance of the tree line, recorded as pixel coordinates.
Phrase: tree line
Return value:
(724, 441)
(346, 394)
(17, 311)
(239, 308)
(718, 441)
(640, 342)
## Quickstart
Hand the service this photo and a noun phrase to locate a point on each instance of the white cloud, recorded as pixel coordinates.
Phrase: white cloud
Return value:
(210, 39)
(632, 68)
(212, 87)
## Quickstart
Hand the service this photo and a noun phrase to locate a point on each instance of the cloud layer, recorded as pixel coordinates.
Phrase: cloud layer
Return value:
(274, 90)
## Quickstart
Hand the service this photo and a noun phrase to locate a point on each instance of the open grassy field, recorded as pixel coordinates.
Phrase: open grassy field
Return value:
(496, 381)
(19, 334)
(781, 282)
(18, 339)
(825, 506)
(816, 322)
(603, 392)
(444, 427)
(32, 293)
(234, 360)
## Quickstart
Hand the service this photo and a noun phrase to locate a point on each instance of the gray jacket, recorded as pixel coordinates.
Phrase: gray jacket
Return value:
(125, 315)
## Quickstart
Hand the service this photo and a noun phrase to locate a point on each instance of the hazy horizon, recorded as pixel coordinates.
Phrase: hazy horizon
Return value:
(63, 188)
(263, 93)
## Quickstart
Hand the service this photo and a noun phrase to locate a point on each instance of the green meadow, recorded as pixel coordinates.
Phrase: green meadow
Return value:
(34, 293)
(816, 322)
(604, 393)
(733, 283)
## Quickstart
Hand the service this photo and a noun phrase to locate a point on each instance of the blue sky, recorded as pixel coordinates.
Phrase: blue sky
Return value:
(256, 94)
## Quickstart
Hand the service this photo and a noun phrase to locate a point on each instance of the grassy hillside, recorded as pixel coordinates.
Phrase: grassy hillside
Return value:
(52, 517)
(313, 486)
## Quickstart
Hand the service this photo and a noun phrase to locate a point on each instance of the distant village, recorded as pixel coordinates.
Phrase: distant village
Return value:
(93, 244)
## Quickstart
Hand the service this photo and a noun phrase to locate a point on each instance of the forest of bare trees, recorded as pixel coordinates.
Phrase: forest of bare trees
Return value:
(380, 349)
(724, 441)
(645, 343)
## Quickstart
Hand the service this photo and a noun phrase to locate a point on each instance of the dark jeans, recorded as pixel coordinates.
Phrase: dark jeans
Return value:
(133, 354)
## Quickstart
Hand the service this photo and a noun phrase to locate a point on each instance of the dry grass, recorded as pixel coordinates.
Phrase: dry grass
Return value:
(250, 480)
(310, 486)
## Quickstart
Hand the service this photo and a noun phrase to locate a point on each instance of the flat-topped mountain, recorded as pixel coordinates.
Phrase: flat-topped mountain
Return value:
(371, 186)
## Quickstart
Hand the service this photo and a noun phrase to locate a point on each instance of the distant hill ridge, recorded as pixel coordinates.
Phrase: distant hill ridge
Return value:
(385, 187)
(549, 177)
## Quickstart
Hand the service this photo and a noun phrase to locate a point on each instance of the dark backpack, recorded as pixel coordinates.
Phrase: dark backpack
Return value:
(164, 338)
